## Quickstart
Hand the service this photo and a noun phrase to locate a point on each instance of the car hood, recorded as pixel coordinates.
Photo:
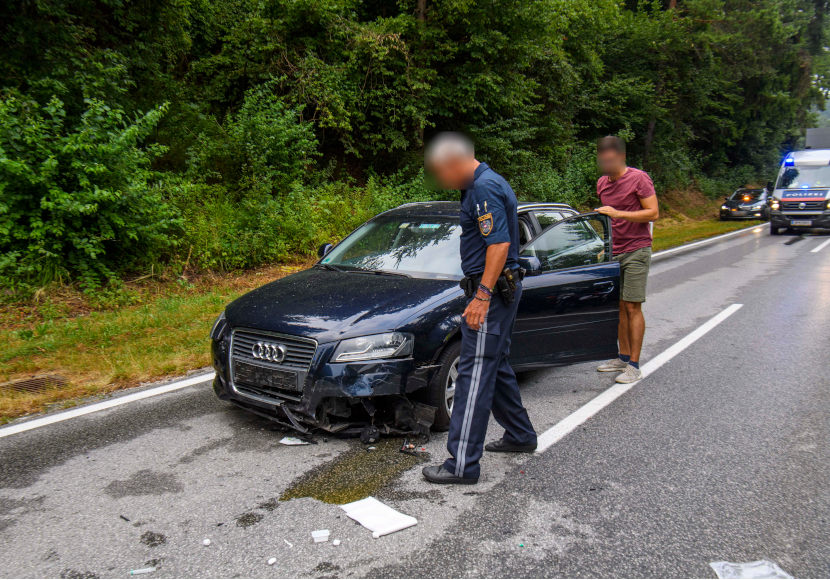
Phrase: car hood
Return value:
(327, 305)
(741, 203)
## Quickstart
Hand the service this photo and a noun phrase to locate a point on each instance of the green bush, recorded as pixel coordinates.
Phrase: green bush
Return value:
(75, 199)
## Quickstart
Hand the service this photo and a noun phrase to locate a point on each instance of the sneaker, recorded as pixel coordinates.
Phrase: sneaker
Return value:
(611, 366)
(630, 375)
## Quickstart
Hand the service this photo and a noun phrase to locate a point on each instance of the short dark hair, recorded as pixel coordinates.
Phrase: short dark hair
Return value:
(611, 142)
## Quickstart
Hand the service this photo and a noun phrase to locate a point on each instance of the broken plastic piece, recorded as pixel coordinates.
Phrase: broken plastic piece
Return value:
(749, 570)
(290, 545)
(143, 571)
(371, 448)
(320, 536)
(370, 434)
(378, 517)
(293, 441)
(272, 561)
(125, 518)
(206, 542)
(335, 542)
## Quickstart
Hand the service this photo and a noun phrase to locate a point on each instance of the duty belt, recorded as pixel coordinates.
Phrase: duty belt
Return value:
(505, 285)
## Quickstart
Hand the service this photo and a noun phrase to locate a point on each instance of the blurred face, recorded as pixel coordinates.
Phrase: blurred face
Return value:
(453, 172)
(610, 161)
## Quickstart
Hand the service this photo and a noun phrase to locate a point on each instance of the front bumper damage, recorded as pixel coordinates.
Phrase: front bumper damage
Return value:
(340, 398)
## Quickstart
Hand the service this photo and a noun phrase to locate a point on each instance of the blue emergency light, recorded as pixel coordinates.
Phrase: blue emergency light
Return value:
(789, 161)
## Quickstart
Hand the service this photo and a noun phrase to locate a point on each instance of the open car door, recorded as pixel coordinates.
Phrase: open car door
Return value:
(569, 309)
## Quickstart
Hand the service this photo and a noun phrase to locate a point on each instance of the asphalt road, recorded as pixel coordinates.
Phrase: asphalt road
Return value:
(720, 454)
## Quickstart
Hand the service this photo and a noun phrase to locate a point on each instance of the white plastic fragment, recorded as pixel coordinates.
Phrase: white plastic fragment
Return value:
(320, 536)
(749, 570)
(206, 542)
(378, 517)
(293, 441)
(149, 570)
(335, 542)
(372, 448)
(272, 561)
(290, 545)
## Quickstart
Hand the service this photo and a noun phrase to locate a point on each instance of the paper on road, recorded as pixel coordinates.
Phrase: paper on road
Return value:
(378, 517)
(749, 570)
(293, 441)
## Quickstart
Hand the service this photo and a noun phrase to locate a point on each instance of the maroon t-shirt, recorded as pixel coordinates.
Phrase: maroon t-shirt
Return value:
(625, 194)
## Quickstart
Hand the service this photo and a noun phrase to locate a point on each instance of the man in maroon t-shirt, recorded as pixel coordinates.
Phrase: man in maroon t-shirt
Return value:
(627, 197)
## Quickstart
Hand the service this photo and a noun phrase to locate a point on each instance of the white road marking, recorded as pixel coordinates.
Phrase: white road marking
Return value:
(115, 402)
(592, 407)
(820, 247)
(755, 229)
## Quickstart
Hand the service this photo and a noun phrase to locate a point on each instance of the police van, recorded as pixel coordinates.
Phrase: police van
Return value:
(801, 196)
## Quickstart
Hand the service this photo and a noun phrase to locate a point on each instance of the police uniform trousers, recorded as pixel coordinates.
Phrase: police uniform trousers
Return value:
(486, 381)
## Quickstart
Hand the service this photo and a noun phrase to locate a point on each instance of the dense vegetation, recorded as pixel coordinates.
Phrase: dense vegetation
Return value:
(227, 133)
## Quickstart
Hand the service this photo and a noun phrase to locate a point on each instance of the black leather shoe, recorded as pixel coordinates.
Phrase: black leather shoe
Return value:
(502, 446)
(437, 474)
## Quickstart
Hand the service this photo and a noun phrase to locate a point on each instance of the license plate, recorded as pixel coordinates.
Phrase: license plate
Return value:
(801, 222)
(258, 376)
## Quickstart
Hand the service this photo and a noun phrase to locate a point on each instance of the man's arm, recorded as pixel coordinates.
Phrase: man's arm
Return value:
(493, 267)
(649, 213)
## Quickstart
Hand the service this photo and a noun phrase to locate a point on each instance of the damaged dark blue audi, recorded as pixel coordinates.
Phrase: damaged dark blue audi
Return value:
(369, 337)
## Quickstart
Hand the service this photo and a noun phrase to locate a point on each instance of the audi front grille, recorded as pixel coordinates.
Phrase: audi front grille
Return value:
(270, 367)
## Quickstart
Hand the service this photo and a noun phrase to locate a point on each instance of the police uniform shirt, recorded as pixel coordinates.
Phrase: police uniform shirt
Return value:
(488, 216)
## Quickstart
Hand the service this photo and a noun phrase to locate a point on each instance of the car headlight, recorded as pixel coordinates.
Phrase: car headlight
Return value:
(775, 204)
(828, 205)
(217, 331)
(757, 207)
(724, 207)
(386, 345)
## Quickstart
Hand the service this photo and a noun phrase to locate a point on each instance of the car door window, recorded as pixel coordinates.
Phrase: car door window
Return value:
(578, 241)
(546, 218)
(524, 232)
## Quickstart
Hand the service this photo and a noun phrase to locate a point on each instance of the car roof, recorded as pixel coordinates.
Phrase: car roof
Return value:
(453, 208)
(810, 157)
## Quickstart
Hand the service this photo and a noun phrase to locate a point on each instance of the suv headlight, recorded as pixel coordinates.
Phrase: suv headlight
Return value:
(386, 345)
(775, 204)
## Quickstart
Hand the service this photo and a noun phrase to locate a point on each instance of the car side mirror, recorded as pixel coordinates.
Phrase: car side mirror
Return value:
(770, 186)
(531, 265)
(324, 249)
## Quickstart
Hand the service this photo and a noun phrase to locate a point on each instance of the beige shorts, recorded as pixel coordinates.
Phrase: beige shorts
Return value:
(634, 274)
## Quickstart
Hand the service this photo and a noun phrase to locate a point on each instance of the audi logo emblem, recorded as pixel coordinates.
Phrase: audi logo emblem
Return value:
(269, 351)
(802, 205)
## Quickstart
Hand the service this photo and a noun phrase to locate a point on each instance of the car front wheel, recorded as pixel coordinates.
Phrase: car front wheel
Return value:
(442, 386)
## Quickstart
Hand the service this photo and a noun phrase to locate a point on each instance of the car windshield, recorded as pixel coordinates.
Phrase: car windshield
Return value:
(804, 177)
(411, 245)
(746, 195)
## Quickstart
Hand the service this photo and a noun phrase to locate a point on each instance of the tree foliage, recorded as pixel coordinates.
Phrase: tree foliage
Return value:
(265, 114)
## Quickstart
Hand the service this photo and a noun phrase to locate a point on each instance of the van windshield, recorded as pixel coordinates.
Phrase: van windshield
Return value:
(804, 177)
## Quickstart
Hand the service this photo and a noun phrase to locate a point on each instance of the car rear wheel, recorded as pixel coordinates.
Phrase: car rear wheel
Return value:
(442, 386)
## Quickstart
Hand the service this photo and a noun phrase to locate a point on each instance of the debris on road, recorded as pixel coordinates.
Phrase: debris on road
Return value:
(293, 441)
(149, 570)
(378, 517)
(272, 561)
(749, 570)
(125, 518)
(320, 536)
(206, 542)
(408, 448)
(335, 542)
(370, 434)
(371, 448)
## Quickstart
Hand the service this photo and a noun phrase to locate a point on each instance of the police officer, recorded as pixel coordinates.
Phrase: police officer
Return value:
(489, 259)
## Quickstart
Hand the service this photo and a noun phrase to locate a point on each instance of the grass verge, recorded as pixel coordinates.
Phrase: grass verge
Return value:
(670, 236)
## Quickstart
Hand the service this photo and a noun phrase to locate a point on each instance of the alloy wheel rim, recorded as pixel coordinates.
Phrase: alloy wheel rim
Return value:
(449, 391)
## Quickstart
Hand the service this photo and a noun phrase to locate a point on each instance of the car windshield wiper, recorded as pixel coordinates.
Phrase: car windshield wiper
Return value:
(378, 272)
(329, 267)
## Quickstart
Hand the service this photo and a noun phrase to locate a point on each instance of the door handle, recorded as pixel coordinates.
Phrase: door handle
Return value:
(606, 287)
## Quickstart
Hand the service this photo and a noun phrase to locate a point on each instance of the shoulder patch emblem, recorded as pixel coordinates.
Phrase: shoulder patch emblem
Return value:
(485, 224)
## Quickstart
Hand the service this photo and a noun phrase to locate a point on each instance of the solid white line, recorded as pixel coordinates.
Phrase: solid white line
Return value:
(820, 248)
(114, 402)
(592, 407)
(702, 242)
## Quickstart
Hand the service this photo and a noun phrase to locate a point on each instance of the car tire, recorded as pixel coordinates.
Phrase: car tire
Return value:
(773, 231)
(443, 380)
